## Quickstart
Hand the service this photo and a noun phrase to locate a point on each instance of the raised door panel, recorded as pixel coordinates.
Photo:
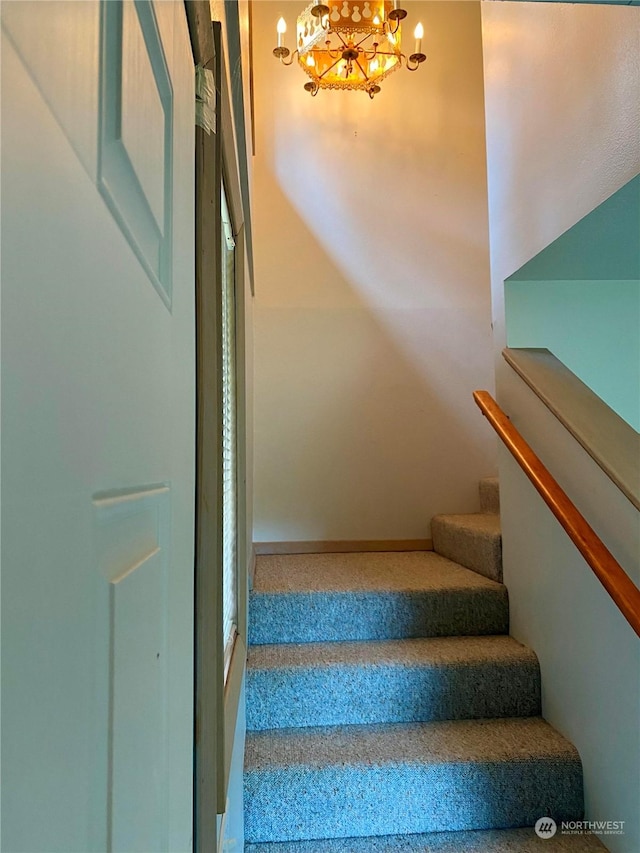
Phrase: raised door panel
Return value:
(135, 168)
(132, 536)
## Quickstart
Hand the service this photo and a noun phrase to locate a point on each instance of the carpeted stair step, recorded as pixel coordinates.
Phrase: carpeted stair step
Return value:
(350, 781)
(310, 598)
(474, 541)
(479, 841)
(391, 681)
(489, 489)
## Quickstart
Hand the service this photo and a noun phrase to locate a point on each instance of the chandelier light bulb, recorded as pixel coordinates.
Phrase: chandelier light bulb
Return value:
(419, 35)
(281, 27)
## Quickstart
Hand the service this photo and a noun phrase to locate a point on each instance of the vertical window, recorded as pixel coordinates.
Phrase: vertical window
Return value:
(229, 439)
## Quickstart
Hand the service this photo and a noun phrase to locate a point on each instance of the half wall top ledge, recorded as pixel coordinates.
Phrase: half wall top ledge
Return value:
(580, 298)
(610, 441)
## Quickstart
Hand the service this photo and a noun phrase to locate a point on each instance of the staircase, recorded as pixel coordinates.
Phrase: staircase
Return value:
(388, 709)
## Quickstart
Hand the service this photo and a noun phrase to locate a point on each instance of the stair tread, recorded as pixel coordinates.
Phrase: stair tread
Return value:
(423, 652)
(523, 840)
(452, 742)
(485, 523)
(303, 598)
(405, 571)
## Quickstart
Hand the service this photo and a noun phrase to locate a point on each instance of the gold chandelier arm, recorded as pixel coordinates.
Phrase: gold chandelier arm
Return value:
(364, 38)
(344, 43)
(291, 58)
(391, 29)
(330, 68)
(414, 61)
(364, 73)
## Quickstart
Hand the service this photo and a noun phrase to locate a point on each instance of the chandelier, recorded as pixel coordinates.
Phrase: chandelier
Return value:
(344, 44)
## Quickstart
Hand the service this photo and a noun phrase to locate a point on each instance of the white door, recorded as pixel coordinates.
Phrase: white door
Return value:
(98, 426)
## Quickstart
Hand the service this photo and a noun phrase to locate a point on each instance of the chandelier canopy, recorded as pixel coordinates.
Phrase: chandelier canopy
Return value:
(349, 45)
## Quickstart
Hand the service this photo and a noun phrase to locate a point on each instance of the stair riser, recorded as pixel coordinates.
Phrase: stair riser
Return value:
(337, 695)
(489, 490)
(305, 802)
(478, 553)
(342, 616)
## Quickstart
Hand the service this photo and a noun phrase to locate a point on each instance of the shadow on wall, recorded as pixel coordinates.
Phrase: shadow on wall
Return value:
(355, 440)
(580, 298)
(373, 322)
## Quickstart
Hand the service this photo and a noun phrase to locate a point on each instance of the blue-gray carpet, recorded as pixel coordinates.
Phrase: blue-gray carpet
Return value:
(387, 709)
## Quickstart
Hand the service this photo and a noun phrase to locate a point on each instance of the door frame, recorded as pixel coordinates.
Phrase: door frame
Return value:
(229, 691)
(216, 703)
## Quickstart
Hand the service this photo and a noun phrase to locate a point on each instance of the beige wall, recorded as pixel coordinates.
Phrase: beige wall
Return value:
(563, 133)
(563, 122)
(372, 309)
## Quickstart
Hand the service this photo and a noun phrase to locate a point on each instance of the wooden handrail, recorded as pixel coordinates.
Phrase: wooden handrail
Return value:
(604, 565)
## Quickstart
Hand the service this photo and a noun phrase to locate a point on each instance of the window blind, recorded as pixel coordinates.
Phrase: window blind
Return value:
(229, 439)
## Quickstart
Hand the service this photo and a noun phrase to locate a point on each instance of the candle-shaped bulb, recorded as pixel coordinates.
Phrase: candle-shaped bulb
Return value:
(310, 60)
(281, 27)
(418, 34)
